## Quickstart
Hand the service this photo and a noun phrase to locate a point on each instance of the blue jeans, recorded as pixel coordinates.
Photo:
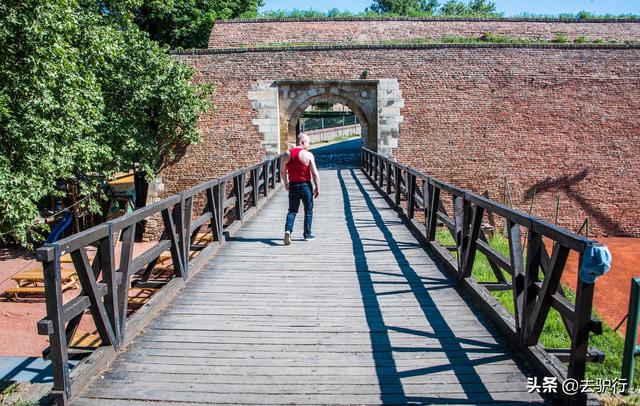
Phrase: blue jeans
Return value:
(300, 191)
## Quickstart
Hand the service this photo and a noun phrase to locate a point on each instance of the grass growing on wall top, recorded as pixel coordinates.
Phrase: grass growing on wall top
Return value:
(554, 333)
(485, 38)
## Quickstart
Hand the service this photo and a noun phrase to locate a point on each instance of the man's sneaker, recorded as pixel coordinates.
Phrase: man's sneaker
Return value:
(310, 238)
(287, 237)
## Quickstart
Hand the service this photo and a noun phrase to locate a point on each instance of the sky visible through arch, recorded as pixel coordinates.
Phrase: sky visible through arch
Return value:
(508, 7)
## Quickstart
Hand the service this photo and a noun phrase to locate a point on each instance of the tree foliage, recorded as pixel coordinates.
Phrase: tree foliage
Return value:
(404, 7)
(83, 94)
(474, 8)
(187, 23)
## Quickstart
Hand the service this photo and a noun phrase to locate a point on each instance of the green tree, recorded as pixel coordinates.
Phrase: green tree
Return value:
(454, 8)
(482, 8)
(188, 23)
(83, 94)
(404, 7)
(475, 8)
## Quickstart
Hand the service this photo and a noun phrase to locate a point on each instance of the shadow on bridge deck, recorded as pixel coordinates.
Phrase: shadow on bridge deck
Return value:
(362, 315)
(391, 389)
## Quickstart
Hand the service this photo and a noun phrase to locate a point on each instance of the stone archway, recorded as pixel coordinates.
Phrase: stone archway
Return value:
(280, 104)
(293, 114)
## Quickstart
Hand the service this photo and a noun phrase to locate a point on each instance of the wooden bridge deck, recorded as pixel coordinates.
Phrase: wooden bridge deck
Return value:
(362, 315)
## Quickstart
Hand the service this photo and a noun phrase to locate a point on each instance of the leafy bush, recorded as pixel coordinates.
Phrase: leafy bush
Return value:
(83, 92)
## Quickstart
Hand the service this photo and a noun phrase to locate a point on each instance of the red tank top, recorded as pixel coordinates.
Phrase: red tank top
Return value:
(298, 171)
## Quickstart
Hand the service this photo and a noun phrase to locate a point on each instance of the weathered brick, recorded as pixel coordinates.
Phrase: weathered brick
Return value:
(230, 34)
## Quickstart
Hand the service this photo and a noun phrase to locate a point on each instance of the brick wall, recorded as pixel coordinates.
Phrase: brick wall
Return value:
(228, 34)
(564, 119)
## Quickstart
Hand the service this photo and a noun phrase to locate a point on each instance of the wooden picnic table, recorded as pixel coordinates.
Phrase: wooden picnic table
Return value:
(35, 277)
(31, 281)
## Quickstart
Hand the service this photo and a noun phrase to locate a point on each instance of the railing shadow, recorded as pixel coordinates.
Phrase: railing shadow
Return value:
(268, 241)
(565, 183)
(456, 358)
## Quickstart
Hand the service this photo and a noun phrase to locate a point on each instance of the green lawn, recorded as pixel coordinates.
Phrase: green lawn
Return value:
(554, 334)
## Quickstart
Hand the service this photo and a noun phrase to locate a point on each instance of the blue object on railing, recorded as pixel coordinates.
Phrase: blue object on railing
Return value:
(60, 227)
(596, 261)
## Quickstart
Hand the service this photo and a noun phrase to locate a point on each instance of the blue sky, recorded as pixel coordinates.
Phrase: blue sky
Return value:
(509, 7)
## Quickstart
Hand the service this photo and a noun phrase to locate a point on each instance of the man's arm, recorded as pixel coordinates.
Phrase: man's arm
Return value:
(283, 170)
(315, 175)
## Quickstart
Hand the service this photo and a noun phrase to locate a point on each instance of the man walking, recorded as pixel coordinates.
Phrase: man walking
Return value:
(296, 169)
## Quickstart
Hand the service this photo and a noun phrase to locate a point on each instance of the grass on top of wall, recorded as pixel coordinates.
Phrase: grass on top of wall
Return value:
(554, 333)
(485, 38)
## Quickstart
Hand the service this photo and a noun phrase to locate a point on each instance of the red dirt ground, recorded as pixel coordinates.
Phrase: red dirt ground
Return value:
(18, 334)
(611, 299)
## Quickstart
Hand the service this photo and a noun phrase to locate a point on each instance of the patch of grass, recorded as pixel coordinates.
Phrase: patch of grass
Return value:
(9, 389)
(289, 44)
(560, 39)
(554, 333)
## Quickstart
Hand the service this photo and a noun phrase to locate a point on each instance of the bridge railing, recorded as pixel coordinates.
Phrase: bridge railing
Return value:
(106, 279)
(529, 271)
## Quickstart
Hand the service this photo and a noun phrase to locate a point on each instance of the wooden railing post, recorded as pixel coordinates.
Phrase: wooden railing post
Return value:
(389, 167)
(126, 256)
(524, 276)
(174, 236)
(187, 218)
(411, 190)
(434, 204)
(376, 168)
(238, 189)
(397, 185)
(50, 258)
(106, 257)
(219, 192)
(255, 184)
(426, 199)
(214, 224)
(276, 165)
(274, 172)
(580, 336)
(265, 178)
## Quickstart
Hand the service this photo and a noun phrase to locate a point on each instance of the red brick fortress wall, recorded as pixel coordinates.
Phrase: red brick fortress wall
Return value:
(252, 33)
(561, 119)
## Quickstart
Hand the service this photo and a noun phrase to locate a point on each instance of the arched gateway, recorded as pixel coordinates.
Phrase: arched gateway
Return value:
(376, 103)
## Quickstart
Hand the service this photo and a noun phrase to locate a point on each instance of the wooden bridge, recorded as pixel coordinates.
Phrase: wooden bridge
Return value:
(373, 311)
